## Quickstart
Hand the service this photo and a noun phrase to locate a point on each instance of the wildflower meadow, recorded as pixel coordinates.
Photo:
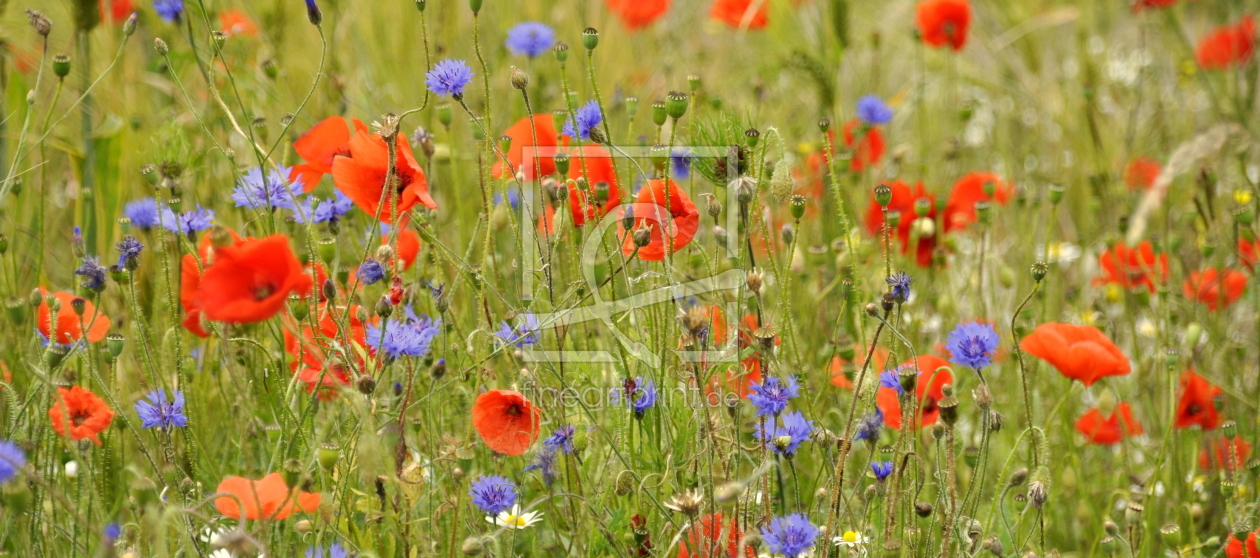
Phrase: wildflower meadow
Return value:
(629, 278)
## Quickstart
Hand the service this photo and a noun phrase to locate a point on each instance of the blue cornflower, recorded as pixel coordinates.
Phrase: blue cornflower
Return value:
(371, 271)
(872, 110)
(882, 469)
(112, 532)
(493, 494)
(142, 212)
(646, 398)
(315, 17)
(892, 379)
(530, 38)
(561, 439)
(900, 284)
(333, 209)
(410, 337)
(256, 191)
(786, 438)
(93, 274)
(448, 78)
(334, 551)
(790, 535)
(525, 333)
(189, 222)
(128, 248)
(544, 462)
(869, 425)
(156, 411)
(169, 10)
(588, 117)
(12, 458)
(771, 396)
(972, 344)
(680, 162)
(513, 198)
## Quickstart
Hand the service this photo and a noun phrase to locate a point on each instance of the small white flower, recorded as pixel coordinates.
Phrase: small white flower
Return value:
(851, 539)
(221, 553)
(515, 519)
(72, 469)
(1059, 252)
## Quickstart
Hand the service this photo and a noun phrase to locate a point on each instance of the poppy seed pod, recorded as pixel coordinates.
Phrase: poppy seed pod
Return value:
(949, 410)
(1171, 534)
(1055, 193)
(560, 49)
(61, 65)
(420, 5)
(291, 472)
(590, 38)
(475, 6)
(676, 104)
(883, 195)
(824, 124)
(693, 82)
(658, 113)
(562, 162)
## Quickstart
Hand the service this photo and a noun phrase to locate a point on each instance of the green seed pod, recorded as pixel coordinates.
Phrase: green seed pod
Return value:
(562, 162)
(632, 106)
(797, 206)
(445, 115)
(883, 195)
(676, 104)
(949, 410)
(420, 5)
(61, 65)
(658, 113)
(475, 6)
(327, 455)
(291, 472)
(114, 342)
(1056, 193)
(1039, 270)
(824, 124)
(590, 38)
(561, 50)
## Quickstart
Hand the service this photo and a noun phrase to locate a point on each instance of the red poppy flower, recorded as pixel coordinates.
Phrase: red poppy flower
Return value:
(115, 11)
(507, 422)
(1138, 5)
(734, 380)
(1197, 405)
(1234, 548)
(1080, 353)
(1222, 455)
(268, 498)
(680, 219)
(960, 209)
(944, 22)
(361, 177)
(903, 199)
(326, 358)
(739, 14)
(524, 160)
(79, 414)
(1133, 267)
(712, 537)
(190, 280)
(1140, 173)
(69, 324)
(235, 22)
(637, 14)
(866, 143)
(319, 146)
(600, 167)
(1205, 287)
(1227, 46)
(1110, 430)
(250, 281)
(878, 361)
(1249, 252)
(927, 392)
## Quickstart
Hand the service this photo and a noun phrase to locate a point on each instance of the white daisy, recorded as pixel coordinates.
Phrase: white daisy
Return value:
(515, 519)
(852, 539)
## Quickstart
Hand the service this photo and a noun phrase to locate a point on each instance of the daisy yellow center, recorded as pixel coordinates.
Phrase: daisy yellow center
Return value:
(515, 520)
(850, 537)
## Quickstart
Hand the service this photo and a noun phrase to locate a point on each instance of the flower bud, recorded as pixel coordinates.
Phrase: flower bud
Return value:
(472, 547)
(520, 79)
(366, 384)
(129, 26)
(438, 370)
(923, 509)
(642, 237)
